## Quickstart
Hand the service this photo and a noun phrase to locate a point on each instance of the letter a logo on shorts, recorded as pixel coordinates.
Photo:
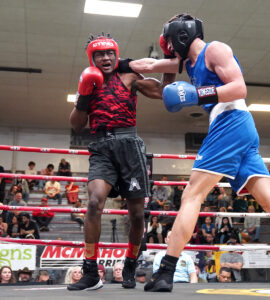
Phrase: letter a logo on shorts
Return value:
(134, 184)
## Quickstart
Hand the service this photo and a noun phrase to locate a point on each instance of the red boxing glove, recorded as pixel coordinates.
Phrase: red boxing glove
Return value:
(164, 46)
(90, 78)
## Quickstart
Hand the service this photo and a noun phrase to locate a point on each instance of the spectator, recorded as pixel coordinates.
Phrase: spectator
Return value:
(6, 275)
(240, 204)
(77, 216)
(166, 221)
(53, 190)
(13, 227)
(31, 171)
(154, 231)
(12, 191)
(64, 168)
(177, 196)
(43, 276)
(101, 272)
(225, 275)
(253, 202)
(18, 200)
(223, 199)
(73, 275)
(43, 218)
(167, 187)
(252, 225)
(201, 276)
(117, 273)
(225, 232)
(2, 185)
(72, 192)
(232, 260)
(140, 276)
(218, 220)
(208, 230)
(210, 266)
(3, 227)
(185, 269)
(160, 195)
(25, 275)
(28, 228)
(195, 238)
(48, 171)
(22, 187)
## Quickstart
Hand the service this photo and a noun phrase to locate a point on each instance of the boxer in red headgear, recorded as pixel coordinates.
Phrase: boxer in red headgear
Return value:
(107, 98)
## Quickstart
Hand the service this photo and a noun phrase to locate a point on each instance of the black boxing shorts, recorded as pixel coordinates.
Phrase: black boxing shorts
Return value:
(118, 157)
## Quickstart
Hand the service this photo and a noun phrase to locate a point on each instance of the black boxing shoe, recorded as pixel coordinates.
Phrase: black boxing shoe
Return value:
(90, 279)
(129, 273)
(162, 280)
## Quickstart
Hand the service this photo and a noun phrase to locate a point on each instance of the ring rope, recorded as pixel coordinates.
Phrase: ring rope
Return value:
(85, 152)
(85, 179)
(78, 244)
(125, 212)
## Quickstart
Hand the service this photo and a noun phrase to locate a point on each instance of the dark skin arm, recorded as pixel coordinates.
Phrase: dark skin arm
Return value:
(78, 119)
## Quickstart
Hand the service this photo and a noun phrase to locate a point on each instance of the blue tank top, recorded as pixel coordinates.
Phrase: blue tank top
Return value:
(200, 76)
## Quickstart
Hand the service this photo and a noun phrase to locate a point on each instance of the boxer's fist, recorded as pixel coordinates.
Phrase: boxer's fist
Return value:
(90, 78)
(181, 94)
(164, 46)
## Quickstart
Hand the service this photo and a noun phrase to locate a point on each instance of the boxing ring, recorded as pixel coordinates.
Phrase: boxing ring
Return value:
(181, 291)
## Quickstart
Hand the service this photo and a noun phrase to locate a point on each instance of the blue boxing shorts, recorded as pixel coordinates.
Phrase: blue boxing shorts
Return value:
(231, 149)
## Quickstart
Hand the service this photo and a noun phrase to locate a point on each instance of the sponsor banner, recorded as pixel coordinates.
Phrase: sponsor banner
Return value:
(18, 256)
(57, 257)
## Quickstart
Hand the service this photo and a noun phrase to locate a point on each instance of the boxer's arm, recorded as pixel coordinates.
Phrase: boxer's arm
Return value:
(149, 87)
(219, 59)
(151, 65)
(78, 119)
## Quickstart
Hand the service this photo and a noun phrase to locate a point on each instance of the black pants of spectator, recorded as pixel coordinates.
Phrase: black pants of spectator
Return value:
(42, 221)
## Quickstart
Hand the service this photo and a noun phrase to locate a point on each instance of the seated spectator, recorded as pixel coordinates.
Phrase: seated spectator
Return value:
(13, 227)
(64, 168)
(225, 232)
(252, 226)
(160, 195)
(25, 275)
(185, 268)
(140, 276)
(154, 230)
(240, 204)
(177, 196)
(72, 192)
(201, 276)
(210, 266)
(3, 227)
(166, 221)
(225, 275)
(101, 272)
(233, 261)
(77, 216)
(117, 273)
(195, 238)
(31, 171)
(22, 187)
(10, 196)
(253, 202)
(43, 218)
(18, 200)
(208, 231)
(167, 187)
(6, 275)
(223, 199)
(218, 219)
(43, 276)
(28, 228)
(48, 171)
(53, 190)
(2, 185)
(73, 275)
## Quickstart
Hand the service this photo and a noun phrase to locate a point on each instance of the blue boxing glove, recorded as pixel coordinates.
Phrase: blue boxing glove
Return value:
(181, 94)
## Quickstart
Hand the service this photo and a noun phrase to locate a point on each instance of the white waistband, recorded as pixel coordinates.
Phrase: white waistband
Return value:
(225, 106)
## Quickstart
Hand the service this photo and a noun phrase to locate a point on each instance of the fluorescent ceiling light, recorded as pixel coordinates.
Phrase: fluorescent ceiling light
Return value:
(259, 107)
(112, 8)
(71, 98)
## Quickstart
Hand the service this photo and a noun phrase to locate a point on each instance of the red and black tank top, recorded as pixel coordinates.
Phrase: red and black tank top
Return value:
(113, 106)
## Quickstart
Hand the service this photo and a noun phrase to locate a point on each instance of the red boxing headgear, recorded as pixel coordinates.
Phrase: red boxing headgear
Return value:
(102, 44)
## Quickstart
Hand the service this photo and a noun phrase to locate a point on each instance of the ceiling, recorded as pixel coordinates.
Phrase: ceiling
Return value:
(51, 34)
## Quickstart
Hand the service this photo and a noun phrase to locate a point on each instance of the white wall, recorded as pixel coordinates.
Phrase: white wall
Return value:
(161, 144)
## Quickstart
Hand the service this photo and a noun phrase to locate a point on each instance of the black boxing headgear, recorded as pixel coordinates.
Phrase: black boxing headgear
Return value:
(183, 30)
